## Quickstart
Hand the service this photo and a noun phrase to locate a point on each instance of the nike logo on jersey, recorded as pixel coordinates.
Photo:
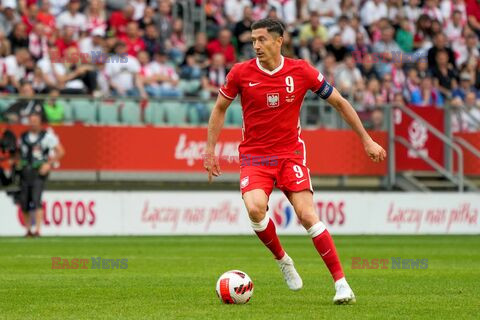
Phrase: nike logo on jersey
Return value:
(251, 84)
(298, 182)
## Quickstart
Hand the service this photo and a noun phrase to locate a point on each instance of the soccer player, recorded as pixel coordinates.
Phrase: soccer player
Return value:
(272, 89)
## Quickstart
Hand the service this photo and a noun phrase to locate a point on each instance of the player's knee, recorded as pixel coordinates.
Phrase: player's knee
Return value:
(257, 212)
(307, 217)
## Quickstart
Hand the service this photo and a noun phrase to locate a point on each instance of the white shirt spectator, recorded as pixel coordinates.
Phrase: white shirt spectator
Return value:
(454, 33)
(78, 22)
(324, 7)
(434, 13)
(286, 10)
(46, 66)
(13, 69)
(372, 12)
(156, 68)
(234, 9)
(122, 75)
(463, 54)
(139, 8)
(57, 6)
(348, 34)
(346, 78)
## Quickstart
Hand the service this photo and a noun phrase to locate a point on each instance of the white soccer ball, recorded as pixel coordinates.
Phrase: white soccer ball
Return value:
(234, 287)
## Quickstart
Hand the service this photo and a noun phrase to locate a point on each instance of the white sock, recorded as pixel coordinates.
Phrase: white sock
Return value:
(262, 225)
(341, 281)
(316, 229)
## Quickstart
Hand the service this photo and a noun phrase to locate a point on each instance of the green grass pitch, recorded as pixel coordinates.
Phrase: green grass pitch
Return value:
(174, 278)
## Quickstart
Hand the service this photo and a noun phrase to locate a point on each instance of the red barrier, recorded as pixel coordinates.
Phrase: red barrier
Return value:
(421, 139)
(329, 152)
(471, 164)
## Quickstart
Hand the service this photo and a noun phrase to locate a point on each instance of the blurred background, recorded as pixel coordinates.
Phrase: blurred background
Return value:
(128, 87)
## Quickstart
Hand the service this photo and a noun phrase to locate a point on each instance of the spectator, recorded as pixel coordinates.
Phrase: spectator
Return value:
(387, 90)
(346, 31)
(445, 76)
(473, 15)
(139, 9)
(286, 11)
(314, 52)
(93, 43)
(147, 19)
(348, 76)
(46, 18)
(163, 19)
(224, 46)
(119, 20)
(426, 94)
(234, 10)
(124, 77)
(243, 34)
(431, 9)
(348, 8)
(15, 68)
(313, 29)
(404, 36)
(20, 111)
(260, 10)
(454, 28)
(468, 50)
(76, 76)
(372, 11)
(178, 42)
(199, 50)
(54, 109)
(328, 10)
(72, 18)
(328, 67)
(132, 39)
(160, 78)
(423, 33)
(151, 39)
(370, 95)
(440, 43)
(9, 17)
(214, 76)
(465, 86)
(5, 48)
(360, 49)
(367, 68)
(37, 41)
(398, 75)
(386, 47)
(29, 19)
(412, 12)
(377, 119)
(96, 17)
(67, 40)
(19, 37)
(337, 48)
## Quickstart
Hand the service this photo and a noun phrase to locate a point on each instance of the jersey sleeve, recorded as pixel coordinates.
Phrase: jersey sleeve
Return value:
(317, 83)
(231, 86)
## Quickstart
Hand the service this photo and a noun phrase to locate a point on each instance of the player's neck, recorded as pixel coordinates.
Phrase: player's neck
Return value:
(272, 64)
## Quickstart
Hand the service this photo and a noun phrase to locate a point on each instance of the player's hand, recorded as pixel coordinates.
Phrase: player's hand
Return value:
(375, 151)
(44, 169)
(210, 162)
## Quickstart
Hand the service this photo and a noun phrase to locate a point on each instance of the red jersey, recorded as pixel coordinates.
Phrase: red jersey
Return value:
(271, 102)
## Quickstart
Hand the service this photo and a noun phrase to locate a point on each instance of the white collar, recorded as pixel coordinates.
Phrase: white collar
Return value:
(273, 71)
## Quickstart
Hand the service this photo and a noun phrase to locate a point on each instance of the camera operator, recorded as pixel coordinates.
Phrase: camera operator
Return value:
(8, 149)
(27, 104)
(40, 150)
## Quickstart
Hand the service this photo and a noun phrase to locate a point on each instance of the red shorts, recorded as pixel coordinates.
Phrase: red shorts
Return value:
(289, 175)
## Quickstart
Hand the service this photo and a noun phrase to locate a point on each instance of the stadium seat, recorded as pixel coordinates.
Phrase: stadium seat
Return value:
(108, 113)
(130, 113)
(176, 112)
(155, 113)
(85, 110)
(234, 114)
(67, 110)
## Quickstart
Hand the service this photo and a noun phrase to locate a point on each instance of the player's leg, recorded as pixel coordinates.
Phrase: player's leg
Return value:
(38, 186)
(256, 184)
(302, 202)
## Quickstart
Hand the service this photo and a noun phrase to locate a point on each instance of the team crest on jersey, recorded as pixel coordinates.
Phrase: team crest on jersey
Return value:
(273, 100)
(244, 182)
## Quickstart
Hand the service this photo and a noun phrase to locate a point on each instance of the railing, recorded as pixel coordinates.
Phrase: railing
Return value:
(444, 171)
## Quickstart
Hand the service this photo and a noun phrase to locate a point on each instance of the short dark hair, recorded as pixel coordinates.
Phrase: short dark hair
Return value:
(272, 26)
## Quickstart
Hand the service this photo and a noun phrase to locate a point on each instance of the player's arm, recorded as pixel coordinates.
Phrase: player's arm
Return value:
(374, 150)
(215, 124)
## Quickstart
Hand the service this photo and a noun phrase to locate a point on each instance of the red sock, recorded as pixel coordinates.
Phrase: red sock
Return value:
(267, 233)
(323, 242)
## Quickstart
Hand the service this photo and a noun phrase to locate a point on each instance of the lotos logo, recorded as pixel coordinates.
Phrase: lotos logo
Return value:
(283, 213)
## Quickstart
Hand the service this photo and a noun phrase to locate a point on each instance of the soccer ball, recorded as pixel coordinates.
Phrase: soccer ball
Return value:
(234, 287)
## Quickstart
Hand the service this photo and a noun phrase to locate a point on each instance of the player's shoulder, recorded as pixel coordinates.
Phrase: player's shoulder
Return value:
(297, 65)
(244, 65)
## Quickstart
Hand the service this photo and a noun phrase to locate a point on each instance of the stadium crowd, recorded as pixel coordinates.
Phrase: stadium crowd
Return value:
(375, 52)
